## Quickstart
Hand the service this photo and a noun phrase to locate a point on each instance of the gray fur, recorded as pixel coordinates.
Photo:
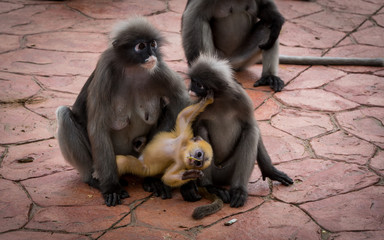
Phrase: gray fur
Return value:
(241, 31)
(229, 125)
(120, 102)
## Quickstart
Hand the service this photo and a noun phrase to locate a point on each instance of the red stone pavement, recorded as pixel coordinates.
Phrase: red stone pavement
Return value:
(325, 129)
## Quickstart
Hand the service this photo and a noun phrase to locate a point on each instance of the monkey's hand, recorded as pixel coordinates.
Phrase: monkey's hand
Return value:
(238, 197)
(155, 185)
(279, 176)
(192, 174)
(114, 195)
(189, 192)
(273, 81)
(220, 192)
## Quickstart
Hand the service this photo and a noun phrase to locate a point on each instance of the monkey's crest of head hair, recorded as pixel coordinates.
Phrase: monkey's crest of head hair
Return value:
(209, 66)
(135, 28)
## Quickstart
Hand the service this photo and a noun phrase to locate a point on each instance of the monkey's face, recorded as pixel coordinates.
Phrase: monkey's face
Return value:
(199, 154)
(142, 52)
(197, 90)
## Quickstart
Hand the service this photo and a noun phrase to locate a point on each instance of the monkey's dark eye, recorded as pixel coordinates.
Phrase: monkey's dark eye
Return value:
(154, 44)
(140, 47)
(199, 85)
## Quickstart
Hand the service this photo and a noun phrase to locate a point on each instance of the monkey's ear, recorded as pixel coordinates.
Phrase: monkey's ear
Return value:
(164, 101)
(115, 43)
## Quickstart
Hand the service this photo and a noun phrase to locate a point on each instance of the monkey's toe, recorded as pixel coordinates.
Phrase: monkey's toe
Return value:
(238, 197)
(220, 192)
(273, 81)
(279, 176)
(189, 192)
(159, 189)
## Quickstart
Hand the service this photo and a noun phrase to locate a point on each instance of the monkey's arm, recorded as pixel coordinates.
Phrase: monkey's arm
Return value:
(196, 30)
(189, 114)
(310, 60)
(270, 17)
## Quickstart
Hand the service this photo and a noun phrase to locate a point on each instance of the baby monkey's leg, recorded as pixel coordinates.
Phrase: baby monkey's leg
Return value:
(130, 164)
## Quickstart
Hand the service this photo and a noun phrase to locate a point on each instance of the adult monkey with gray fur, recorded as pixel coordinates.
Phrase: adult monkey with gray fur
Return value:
(241, 30)
(131, 93)
(238, 30)
(229, 125)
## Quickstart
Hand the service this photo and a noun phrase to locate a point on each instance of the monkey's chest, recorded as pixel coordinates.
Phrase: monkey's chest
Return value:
(231, 25)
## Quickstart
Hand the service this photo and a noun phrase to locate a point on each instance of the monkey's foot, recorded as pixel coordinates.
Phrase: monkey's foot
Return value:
(279, 176)
(189, 192)
(238, 197)
(192, 174)
(114, 196)
(220, 192)
(94, 183)
(155, 185)
(273, 81)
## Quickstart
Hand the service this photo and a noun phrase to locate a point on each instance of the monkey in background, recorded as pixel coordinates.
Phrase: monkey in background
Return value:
(245, 32)
(237, 30)
(131, 93)
(177, 154)
(230, 127)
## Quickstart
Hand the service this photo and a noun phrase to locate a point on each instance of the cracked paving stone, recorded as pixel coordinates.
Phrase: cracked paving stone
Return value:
(368, 235)
(21, 125)
(41, 62)
(33, 160)
(70, 84)
(309, 35)
(272, 220)
(33, 235)
(9, 42)
(16, 88)
(77, 219)
(268, 109)
(343, 146)
(117, 9)
(35, 19)
(356, 211)
(302, 124)
(295, 9)
(139, 232)
(315, 99)
(356, 7)
(46, 102)
(377, 162)
(14, 208)
(314, 77)
(317, 179)
(366, 123)
(68, 41)
(361, 88)
(67, 189)
(153, 210)
(370, 36)
(359, 51)
(281, 146)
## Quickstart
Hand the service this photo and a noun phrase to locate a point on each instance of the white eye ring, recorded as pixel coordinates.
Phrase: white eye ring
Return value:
(140, 47)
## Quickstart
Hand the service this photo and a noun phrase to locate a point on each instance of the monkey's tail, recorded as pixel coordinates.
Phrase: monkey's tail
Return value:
(205, 210)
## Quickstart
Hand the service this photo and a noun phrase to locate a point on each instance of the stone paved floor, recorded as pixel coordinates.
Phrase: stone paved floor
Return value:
(325, 129)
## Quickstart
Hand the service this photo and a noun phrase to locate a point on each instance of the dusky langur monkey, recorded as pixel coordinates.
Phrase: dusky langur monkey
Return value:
(237, 30)
(229, 125)
(177, 154)
(241, 31)
(131, 93)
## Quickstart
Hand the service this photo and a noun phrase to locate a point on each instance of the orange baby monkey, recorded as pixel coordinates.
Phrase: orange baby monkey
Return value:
(177, 154)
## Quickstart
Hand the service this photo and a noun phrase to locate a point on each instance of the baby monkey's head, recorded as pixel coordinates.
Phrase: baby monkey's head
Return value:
(199, 154)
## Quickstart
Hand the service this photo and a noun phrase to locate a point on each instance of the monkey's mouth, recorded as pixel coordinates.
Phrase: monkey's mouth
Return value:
(196, 162)
(150, 63)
